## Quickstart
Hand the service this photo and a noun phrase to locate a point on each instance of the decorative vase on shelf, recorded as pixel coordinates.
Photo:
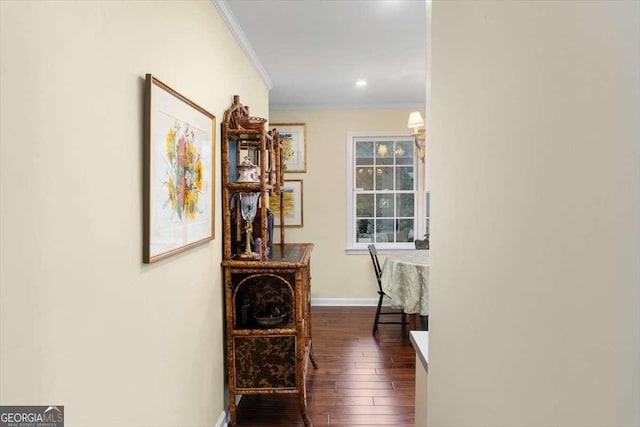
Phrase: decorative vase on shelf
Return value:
(247, 171)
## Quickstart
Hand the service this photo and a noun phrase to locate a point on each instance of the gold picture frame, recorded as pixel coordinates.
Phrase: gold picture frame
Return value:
(294, 138)
(292, 202)
(179, 172)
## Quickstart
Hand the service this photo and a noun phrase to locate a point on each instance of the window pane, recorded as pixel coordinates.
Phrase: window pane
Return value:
(428, 210)
(384, 153)
(404, 178)
(364, 178)
(384, 178)
(384, 230)
(364, 153)
(365, 230)
(384, 205)
(364, 205)
(404, 205)
(405, 230)
(404, 153)
(428, 199)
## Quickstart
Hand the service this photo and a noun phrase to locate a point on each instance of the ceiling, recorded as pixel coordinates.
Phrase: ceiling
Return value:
(311, 52)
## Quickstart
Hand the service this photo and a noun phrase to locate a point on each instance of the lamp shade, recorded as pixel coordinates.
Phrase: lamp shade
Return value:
(415, 120)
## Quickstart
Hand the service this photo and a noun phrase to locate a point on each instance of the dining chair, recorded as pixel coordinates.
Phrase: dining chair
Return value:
(376, 267)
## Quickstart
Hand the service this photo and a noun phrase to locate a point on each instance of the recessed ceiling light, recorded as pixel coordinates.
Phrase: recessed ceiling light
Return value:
(361, 83)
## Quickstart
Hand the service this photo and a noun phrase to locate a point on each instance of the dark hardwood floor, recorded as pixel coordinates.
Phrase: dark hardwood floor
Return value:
(361, 380)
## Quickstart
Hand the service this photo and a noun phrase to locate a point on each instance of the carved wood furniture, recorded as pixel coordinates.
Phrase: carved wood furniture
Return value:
(267, 300)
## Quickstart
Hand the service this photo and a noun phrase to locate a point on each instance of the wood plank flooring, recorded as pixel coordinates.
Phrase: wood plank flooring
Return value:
(362, 380)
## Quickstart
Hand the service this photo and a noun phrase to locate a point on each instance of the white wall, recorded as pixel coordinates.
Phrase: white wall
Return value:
(535, 243)
(335, 274)
(83, 323)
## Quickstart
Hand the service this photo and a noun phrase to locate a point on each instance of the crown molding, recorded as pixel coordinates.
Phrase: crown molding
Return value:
(229, 19)
(286, 107)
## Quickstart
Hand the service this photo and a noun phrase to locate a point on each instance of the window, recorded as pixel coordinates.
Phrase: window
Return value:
(427, 198)
(385, 196)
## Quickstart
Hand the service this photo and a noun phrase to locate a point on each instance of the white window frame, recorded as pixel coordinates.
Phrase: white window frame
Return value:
(354, 247)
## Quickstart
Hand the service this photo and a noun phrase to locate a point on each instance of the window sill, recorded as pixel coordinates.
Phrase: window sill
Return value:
(381, 251)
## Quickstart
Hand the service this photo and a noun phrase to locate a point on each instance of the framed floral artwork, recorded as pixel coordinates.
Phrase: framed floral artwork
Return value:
(178, 172)
(291, 203)
(294, 138)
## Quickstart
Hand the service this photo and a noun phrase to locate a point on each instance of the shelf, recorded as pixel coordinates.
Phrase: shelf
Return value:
(288, 327)
(286, 330)
(252, 138)
(263, 148)
(245, 133)
(249, 187)
(290, 255)
(249, 131)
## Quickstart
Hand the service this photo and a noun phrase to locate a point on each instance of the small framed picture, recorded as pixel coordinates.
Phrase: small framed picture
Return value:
(294, 138)
(291, 202)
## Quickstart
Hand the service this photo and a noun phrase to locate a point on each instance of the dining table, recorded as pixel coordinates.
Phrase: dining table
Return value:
(405, 280)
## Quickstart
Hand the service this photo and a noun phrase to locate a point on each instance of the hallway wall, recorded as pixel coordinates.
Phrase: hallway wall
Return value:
(83, 323)
(535, 280)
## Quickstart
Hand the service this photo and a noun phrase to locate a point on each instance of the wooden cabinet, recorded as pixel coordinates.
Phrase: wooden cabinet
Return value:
(267, 293)
(269, 359)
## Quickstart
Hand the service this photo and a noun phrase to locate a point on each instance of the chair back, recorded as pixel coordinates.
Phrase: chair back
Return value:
(376, 264)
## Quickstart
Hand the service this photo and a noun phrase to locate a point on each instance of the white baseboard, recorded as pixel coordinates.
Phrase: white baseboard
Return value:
(346, 302)
(225, 416)
(222, 420)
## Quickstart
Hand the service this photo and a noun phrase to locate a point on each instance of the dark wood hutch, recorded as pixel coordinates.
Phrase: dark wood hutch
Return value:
(266, 285)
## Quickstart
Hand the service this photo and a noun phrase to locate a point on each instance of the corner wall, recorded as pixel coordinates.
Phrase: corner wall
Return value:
(83, 323)
(535, 243)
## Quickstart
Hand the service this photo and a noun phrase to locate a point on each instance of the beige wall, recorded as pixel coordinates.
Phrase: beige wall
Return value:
(83, 323)
(535, 296)
(335, 274)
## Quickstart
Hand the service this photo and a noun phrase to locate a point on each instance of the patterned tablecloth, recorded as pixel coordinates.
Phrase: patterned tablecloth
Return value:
(405, 279)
